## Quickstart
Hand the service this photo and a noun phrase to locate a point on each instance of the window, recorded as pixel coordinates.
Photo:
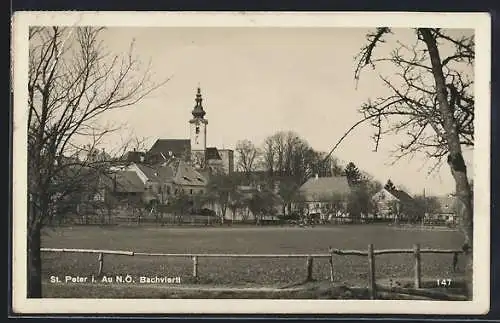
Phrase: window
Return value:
(191, 191)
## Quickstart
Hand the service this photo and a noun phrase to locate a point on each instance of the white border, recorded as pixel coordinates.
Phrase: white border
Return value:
(479, 21)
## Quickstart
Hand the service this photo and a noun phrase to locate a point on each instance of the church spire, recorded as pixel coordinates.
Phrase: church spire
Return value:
(198, 111)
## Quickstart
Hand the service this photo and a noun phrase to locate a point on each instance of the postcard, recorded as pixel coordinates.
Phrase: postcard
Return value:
(251, 162)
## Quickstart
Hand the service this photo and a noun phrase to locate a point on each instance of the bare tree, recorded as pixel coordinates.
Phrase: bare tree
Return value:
(220, 189)
(72, 82)
(431, 102)
(286, 154)
(247, 155)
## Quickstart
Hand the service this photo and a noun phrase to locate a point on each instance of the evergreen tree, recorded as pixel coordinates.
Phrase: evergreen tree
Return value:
(353, 174)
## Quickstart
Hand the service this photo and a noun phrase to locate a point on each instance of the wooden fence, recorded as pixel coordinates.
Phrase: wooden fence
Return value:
(370, 254)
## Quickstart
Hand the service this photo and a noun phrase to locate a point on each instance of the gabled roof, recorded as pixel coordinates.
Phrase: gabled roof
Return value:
(177, 147)
(212, 153)
(185, 174)
(316, 189)
(158, 173)
(128, 181)
(401, 195)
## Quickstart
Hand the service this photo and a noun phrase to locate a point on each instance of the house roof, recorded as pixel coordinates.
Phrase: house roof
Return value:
(185, 174)
(128, 181)
(178, 147)
(322, 187)
(401, 195)
(158, 173)
(212, 153)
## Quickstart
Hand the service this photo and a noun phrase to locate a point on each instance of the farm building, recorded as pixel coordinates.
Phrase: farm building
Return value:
(161, 182)
(325, 197)
(446, 211)
(393, 204)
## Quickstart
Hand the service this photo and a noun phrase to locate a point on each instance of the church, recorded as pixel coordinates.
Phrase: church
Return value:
(193, 150)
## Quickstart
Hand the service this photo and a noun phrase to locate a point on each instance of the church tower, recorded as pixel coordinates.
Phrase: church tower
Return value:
(198, 132)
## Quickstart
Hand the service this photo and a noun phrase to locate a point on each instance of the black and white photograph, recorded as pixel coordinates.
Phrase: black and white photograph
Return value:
(251, 162)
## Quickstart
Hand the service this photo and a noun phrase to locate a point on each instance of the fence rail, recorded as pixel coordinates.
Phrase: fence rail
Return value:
(370, 254)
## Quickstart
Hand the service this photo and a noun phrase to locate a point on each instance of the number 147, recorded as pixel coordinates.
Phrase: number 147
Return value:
(443, 282)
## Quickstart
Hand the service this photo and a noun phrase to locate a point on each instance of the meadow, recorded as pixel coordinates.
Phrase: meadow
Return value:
(349, 270)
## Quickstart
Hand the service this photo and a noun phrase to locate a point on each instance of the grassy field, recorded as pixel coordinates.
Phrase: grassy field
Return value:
(349, 270)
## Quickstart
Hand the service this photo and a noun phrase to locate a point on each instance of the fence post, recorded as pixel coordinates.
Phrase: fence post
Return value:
(330, 260)
(101, 263)
(371, 272)
(195, 266)
(455, 261)
(416, 253)
(309, 267)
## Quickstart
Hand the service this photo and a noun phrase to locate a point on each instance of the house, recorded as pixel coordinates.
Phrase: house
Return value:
(125, 187)
(162, 182)
(156, 181)
(325, 197)
(447, 209)
(188, 180)
(393, 204)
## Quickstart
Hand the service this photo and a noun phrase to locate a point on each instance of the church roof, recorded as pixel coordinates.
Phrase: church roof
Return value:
(177, 147)
(198, 111)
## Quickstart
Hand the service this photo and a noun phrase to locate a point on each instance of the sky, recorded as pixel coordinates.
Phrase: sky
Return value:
(256, 81)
